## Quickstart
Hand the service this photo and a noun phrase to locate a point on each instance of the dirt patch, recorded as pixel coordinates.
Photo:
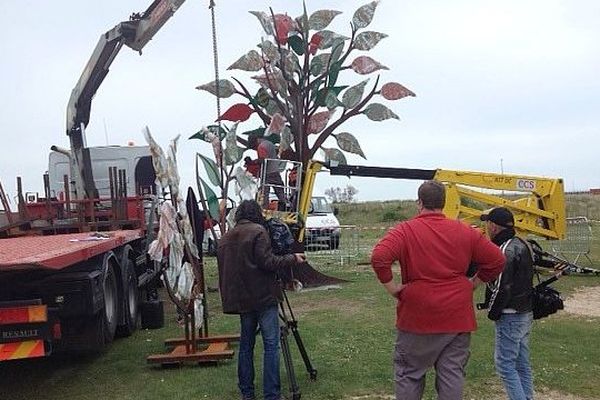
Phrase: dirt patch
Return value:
(585, 301)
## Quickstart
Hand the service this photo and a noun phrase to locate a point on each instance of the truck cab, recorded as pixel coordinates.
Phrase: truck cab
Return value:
(322, 229)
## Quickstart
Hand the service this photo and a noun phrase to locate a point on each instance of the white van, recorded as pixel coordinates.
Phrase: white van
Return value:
(322, 226)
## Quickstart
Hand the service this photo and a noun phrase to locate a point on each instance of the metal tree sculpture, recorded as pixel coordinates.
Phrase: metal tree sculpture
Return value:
(300, 100)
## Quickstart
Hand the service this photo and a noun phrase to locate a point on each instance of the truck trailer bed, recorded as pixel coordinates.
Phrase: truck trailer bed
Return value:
(56, 252)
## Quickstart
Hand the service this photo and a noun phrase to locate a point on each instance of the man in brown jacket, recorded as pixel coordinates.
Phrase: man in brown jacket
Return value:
(249, 287)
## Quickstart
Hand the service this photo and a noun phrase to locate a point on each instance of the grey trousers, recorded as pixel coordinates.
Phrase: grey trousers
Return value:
(416, 353)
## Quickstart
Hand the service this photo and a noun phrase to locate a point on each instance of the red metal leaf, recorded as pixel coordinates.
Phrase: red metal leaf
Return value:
(283, 25)
(315, 41)
(395, 91)
(237, 112)
(318, 122)
(365, 65)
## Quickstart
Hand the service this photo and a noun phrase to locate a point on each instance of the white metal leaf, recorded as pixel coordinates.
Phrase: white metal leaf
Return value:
(368, 40)
(232, 152)
(334, 154)
(226, 88)
(286, 139)
(251, 61)
(379, 112)
(328, 38)
(347, 142)
(353, 95)
(270, 51)
(321, 19)
(364, 15)
(319, 63)
(265, 20)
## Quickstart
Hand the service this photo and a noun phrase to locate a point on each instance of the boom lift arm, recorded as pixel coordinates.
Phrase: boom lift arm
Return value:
(537, 203)
(134, 33)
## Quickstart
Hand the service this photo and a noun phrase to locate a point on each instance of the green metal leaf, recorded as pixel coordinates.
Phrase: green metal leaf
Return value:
(347, 142)
(322, 18)
(206, 132)
(334, 71)
(319, 63)
(225, 87)
(211, 199)
(334, 154)
(364, 15)
(368, 40)
(329, 37)
(211, 170)
(325, 92)
(258, 131)
(353, 95)
(262, 97)
(297, 44)
(379, 112)
(265, 20)
(251, 61)
(336, 50)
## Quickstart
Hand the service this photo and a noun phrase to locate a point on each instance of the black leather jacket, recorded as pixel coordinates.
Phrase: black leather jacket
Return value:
(514, 287)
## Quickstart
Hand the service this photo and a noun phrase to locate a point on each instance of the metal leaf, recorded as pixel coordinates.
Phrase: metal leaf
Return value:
(328, 38)
(270, 51)
(395, 91)
(334, 154)
(265, 20)
(364, 15)
(353, 95)
(347, 142)
(211, 199)
(319, 64)
(286, 139)
(379, 112)
(251, 61)
(232, 152)
(208, 133)
(368, 40)
(226, 88)
(318, 122)
(322, 18)
(212, 171)
(276, 125)
(365, 65)
(331, 101)
(297, 44)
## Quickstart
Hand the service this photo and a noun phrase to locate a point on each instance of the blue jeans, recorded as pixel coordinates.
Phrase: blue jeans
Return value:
(512, 354)
(268, 320)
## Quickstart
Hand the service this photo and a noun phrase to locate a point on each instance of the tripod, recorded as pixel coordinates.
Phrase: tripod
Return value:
(290, 323)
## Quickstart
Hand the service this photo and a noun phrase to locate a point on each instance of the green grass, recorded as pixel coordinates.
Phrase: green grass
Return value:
(348, 333)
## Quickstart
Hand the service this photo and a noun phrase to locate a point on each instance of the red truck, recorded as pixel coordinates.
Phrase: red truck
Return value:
(74, 268)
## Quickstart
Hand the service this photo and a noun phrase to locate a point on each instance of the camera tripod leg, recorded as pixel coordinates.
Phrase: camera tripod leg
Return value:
(309, 368)
(289, 365)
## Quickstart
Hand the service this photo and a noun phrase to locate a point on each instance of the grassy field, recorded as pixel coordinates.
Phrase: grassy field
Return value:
(348, 333)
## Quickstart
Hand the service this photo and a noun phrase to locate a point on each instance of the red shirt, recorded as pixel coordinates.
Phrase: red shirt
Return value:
(434, 253)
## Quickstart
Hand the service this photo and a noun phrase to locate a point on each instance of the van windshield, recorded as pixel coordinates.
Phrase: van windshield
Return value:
(320, 205)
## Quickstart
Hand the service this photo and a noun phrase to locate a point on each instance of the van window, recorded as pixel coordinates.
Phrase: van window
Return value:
(320, 205)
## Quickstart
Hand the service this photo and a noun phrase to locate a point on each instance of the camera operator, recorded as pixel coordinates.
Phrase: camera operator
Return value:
(248, 271)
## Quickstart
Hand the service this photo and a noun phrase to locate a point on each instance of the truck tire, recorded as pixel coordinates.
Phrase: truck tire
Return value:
(152, 314)
(128, 321)
(110, 312)
(101, 327)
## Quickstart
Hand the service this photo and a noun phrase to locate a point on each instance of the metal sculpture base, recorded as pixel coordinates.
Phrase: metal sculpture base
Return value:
(197, 349)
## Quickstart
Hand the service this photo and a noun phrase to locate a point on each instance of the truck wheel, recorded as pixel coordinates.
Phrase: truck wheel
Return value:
(130, 299)
(153, 314)
(111, 302)
(100, 328)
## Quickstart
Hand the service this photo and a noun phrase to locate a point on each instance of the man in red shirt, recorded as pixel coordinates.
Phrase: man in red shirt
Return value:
(434, 312)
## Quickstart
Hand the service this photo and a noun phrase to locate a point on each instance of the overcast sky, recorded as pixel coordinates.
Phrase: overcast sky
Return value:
(510, 84)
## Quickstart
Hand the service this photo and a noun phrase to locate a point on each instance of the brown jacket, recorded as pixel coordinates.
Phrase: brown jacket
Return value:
(248, 269)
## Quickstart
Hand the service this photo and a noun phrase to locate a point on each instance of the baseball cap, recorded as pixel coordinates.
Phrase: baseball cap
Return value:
(500, 216)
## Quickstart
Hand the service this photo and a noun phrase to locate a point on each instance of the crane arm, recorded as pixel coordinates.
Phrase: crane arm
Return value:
(134, 33)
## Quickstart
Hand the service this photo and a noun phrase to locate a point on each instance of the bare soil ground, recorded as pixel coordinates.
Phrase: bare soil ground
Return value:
(584, 302)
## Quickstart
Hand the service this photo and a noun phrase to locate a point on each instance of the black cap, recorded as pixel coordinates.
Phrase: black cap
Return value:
(500, 216)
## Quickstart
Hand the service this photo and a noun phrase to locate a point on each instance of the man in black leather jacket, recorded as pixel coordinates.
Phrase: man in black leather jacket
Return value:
(509, 299)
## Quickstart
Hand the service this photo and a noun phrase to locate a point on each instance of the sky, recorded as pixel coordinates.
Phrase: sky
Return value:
(506, 86)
